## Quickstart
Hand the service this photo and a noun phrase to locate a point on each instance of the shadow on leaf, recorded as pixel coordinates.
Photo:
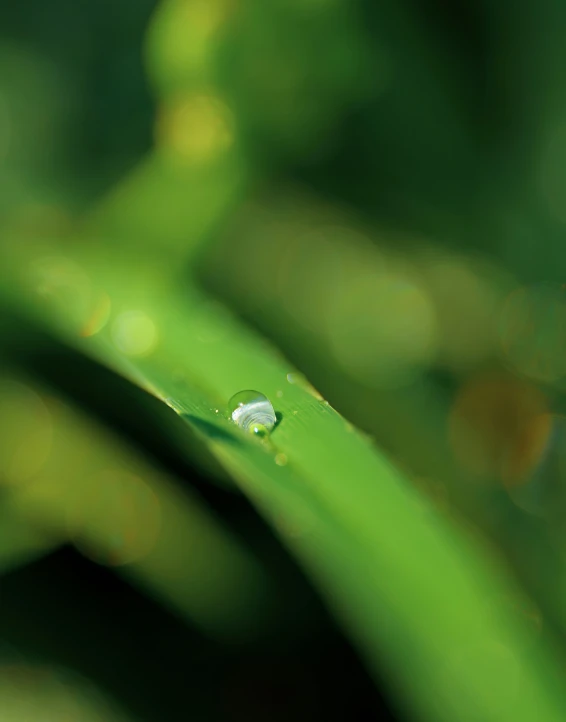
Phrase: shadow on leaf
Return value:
(212, 431)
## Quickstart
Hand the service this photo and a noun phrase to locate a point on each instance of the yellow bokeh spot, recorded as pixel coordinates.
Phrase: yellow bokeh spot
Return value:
(134, 333)
(202, 17)
(499, 427)
(194, 129)
(65, 290)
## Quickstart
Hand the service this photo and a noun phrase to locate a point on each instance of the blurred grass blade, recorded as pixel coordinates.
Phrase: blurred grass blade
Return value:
(21, 541)
(66, 480)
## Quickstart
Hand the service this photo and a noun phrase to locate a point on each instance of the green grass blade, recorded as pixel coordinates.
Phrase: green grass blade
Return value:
(421, 602)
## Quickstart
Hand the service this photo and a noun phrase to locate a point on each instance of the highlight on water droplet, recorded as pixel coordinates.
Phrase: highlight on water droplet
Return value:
(253, 412)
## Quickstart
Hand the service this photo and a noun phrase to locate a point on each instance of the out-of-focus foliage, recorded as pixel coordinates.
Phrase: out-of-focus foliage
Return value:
(31, 691)
(61, 475)
(204, 196)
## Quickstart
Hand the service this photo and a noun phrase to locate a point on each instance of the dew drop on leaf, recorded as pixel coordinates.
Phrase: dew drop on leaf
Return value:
(252, 412)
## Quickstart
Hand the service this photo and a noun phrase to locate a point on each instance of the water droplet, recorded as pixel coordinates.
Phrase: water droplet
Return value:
(279, 394)
(281, 460)
(252, 412)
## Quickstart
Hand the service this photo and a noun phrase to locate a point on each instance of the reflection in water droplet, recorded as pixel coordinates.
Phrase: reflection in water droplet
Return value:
(134, 333)
(252, 412)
